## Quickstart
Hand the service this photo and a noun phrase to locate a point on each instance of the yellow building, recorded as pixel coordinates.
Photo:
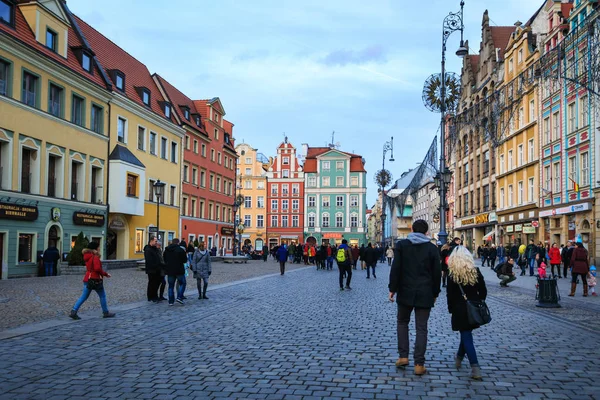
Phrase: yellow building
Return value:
(145, 147)
(517, 173)
(54, 109)
(252, 185)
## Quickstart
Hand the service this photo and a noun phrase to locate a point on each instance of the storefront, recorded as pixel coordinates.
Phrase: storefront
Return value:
(573, 222)
(473, 231)
(519, 226)
(29, 225)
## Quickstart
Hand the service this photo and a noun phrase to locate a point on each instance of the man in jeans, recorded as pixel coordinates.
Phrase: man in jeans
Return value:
(345, 266)
(416, 277)
(505, 273)
(175, 259)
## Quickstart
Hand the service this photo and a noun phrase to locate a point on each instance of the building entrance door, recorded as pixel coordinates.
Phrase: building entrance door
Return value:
(111, 245)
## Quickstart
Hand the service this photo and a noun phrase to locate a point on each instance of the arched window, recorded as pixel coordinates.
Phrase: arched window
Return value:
(339, 220)
(311, 220)
(325, 220)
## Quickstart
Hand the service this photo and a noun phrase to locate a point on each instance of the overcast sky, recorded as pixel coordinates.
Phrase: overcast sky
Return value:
(305, 67)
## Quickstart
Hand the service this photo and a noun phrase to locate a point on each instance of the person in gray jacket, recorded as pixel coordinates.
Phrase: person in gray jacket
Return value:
(202, 268)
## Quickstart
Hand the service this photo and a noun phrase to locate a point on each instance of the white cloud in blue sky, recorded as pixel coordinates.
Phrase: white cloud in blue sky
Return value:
(305, 67)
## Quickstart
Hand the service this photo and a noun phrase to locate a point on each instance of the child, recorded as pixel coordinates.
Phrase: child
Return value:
(591, 280)
(542, 270)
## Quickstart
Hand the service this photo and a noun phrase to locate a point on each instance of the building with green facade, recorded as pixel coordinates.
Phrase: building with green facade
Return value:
(335, 196)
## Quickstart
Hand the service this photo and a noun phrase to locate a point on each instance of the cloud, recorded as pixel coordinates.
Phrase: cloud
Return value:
(364, 56)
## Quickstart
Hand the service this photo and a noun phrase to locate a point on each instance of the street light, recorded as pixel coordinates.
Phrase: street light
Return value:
(159, 191)
(452, 23)
(239, 200)
(383, 178)
(240, 229)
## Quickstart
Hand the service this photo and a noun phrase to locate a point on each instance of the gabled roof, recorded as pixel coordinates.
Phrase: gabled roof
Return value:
(113, 57)
(178, 99)
(501, 37)
(204, 106)
(23, 33)
(474, 59)
(310, 163)
(122, 153)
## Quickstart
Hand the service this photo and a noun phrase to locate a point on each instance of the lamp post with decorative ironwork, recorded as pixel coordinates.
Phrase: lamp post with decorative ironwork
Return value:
(383, 178)
(159, 192)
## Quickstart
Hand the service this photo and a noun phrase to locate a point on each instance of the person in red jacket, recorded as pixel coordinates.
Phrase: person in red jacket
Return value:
(581, 266)
(555, 260)
(92, 280)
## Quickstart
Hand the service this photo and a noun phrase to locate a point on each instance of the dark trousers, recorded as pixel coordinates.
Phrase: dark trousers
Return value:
(565, 270)
(154, 281)
(282, 267)
(369, 270)
(162, 286)
(421, 319)
(552, 266)
(202, 285)
(345, 269)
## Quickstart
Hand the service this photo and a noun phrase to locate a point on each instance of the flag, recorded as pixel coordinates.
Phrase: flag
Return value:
(575, 185)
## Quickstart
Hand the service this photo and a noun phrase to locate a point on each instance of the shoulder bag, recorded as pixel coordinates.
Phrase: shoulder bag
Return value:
(478, 312)
(94, 284)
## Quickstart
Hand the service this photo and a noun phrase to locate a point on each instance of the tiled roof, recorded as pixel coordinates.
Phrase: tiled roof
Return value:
(474, 59)
(112, 57)
(565, 9)
(501, 37)
(177, 98)
(25, 35)
(228, 126)
(310, 163)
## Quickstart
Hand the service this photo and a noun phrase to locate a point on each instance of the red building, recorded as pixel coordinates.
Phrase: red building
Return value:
(285, 198)
(209, 162)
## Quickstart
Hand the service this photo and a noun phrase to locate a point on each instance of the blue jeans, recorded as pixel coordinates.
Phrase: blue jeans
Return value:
(330, 262)
(49, 266)
(467, 347)
(531, 266)
(180, 291)
(86, 294)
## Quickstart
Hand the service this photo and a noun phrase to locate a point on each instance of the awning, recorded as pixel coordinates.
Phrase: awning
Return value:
(488, 237)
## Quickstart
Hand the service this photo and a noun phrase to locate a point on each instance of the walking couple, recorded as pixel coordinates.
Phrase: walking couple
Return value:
(415, 281)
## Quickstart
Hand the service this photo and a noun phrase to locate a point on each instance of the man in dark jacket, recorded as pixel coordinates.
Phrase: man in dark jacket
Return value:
(505, 273)
(265, 252)
(514, 251)
(51, 256)
(530, 252)
(153, 266)
(370, 258)
(566, 257)
(175, 258)
(415, 276)
(345, 266)
(361, 255)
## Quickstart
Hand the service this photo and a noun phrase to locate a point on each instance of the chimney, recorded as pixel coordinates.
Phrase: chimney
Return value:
(304, 149)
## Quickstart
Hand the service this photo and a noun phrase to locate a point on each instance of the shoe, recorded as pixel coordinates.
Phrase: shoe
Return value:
(374, 277)
(420, 370)
(342, 289)
(348, 288)
(74, 315)
(170, 304)
(180, 301)
(108, 315)
(162, 298)
(184, 298)
(594, 294)
(199, 297)
(204, 297)
(502, 284)
(368, 277)
(476, 373)
(401, 362)
(457, 361)
(573, 288)
(156, 301)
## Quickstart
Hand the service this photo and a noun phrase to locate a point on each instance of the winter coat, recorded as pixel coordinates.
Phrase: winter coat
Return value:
(493, 253)
(566, 255)
(531, 251)
(580, 261)
(514, 252)
(152, 260)
(389, 253)
(93, 266)
(51, 255)
(201, 264)
(554, 254)
(282, 254)
(416, 273)
(355, 253)
(444, 254)
(506, 269)
(457, 306)
(370, 256)
(175, 258)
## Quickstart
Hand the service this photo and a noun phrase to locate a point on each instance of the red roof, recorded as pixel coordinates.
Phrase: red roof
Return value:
(565, 9)
(474, 59)
(112, 57)
(501, 37)
(24, 34)
(178, 99)
(310, 163)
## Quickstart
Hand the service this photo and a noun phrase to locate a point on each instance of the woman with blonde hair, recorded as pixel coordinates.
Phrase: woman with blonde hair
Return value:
(464, 282)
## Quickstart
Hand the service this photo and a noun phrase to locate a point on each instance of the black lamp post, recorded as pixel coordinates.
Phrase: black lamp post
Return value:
(239, 200)
(240, 229)
(452, 23)
(383, 178)
(159, 192)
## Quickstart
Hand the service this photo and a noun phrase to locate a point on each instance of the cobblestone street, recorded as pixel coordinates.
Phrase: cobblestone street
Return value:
(298, 337)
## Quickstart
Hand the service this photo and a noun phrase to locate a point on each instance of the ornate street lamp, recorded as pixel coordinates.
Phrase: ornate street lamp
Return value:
(240, 230)
(159, 192)
(383, 178)
(237, 203)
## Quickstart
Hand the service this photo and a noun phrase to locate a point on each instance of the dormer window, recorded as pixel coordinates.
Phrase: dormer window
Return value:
(51, 38)
(86, 62)
(168, 111)
(7, 12)
(120, 81)
(198, 121)
(146, 97)
(186, 114)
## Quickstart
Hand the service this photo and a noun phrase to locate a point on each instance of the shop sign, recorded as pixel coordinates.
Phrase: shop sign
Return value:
(18, 212)
(227, 231)
(332, 235)
(566, 210)
(528, 229)
(467, 221)
(80, 218)
(509, 229)
(55, 214)
(518, 228)
(493, 217)
(482, 218)
(535, 224)
(116, 223)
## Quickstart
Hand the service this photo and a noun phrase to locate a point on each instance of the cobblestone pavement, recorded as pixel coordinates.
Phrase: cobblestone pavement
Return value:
(298, 337)
(31, 300)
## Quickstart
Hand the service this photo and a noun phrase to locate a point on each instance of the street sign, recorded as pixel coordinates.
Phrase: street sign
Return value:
(153, 229)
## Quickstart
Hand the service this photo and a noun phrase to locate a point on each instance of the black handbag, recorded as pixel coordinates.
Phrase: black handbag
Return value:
(478, 312)
(94, 284)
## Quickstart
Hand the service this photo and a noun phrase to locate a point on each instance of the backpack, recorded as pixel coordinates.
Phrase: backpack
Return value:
(341, 256)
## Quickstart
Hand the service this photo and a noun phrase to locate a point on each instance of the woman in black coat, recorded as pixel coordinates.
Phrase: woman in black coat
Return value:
(462, 273)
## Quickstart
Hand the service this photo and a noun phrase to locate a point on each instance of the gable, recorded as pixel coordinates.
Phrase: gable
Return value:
(216, 104)
(55, 7)
(333, 154)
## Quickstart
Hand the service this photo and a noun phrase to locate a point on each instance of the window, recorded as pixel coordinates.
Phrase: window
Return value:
(219, 158)
(510, 195)
(173, 196)
(286, 161)
(555, 126)
(521, 117)
(339, 220)
(25, 252)
(193, 208)
(556, 176)
(530, 151)
(285, 189)
(311, 220)
(4, 71)
(163, 148)
(585, 169)
(312, 201)
(312, 181)
(486, 197)
(295, 189)
(30, 89)
(466, 204)
(326, 166)
(141, 139)
(139, 241)
(173, 152)
(339, 165)
(285, 204)
(501, 162)
(211, 182)
(184, 207)
(520, 193)
(247, 221)
(353, 221)
(286, 173)
(572, 171)
(325, 201)
(6, 12)
(186, 114)
(55, 100)
(274, 221)
(274, 190)
(260, 221)
(520, 159)
(195, 146)
(295, 221)
(97, 119)
(510, 65)
(185, 173)
(86, 62)
(274, 204)
(572, 118)
(151, 183)
(520, 56)
(248, 201)
(501, 198)
(547, 178)
(325, 220)
(203, 150)
(131, 185)
(260, 185)
(260, 202)
(216, 130)
(354, 181)
(546, 130)
(466, 176)
(121, 129)
(583, 106)
(248, 171)
(77, 110)
(217, 212)
(51, 38)
(212, 156)
(510, 160)
(195, 176)
(486, 163)
(248, 184)
(120, 81)
(295, 204)
(326, 181)
(339, 201)
(339, 181)
(353, 201)
(218, 184)
(248, 160)
(530, 189)
(152, 143)
(168, 111)
(531, 111)
(284, 221)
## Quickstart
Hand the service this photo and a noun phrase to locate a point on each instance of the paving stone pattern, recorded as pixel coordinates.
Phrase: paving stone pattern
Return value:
(297, 337)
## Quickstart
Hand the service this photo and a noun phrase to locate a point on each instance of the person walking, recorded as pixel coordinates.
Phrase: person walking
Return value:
(370, 258)
(501, 253)
(485, 254)
(555, 260)
(566, 257)
(531, 253)
(465, 282)
(445, 252)
(329, 255)
(175, 259)
(163, 282)
(92, 280)
(580, 265)
(492, 255)
(361, 255)
(415, 278)
(282, 255)
(355, 254)
(153, 268)
(202, 268)
(265, 253)
(50, 258)
(389, 253)
(344, 262)
(291, 252)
